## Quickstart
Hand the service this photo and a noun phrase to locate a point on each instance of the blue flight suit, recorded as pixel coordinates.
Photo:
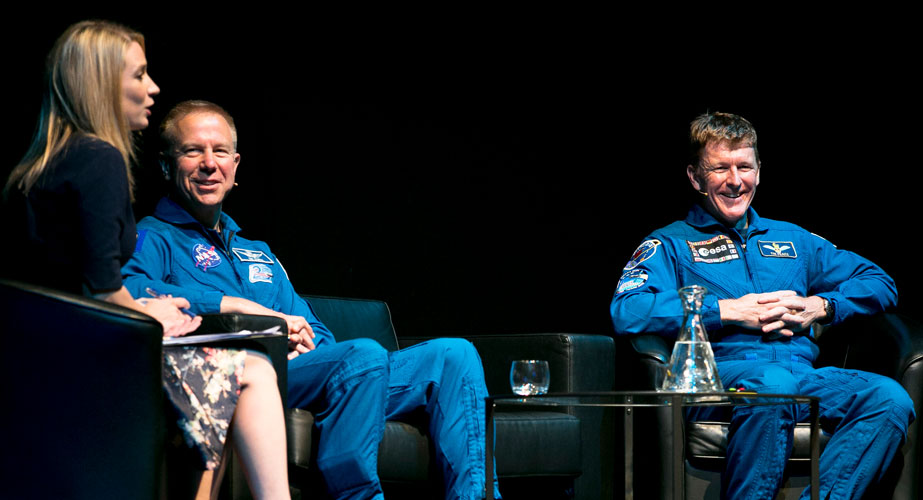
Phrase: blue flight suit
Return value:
(352, 387)
(867, 414)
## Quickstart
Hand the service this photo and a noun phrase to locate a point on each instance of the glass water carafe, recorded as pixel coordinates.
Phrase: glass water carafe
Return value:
(692, 366)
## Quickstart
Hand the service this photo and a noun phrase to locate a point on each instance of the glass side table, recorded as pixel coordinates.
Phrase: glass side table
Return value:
(676, 401)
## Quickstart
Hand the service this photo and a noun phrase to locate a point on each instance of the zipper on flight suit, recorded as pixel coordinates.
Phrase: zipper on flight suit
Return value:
(225, 247)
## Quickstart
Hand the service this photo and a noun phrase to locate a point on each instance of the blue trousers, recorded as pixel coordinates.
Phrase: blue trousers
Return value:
(353, 387)
(866, 414)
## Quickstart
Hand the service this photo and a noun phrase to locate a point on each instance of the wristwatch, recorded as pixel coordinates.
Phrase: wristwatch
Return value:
(829, 311)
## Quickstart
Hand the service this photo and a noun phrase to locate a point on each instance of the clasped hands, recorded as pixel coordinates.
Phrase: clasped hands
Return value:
(782, 312)
(300, 335)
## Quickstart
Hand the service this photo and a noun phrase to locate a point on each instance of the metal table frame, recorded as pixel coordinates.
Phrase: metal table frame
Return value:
(634, 399)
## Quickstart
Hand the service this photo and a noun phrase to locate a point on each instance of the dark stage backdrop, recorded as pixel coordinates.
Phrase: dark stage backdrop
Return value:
(487, 176)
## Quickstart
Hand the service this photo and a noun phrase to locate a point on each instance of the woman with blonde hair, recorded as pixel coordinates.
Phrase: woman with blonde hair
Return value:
(68, 208)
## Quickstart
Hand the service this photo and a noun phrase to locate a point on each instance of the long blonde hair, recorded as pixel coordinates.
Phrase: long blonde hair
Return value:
(83, 95)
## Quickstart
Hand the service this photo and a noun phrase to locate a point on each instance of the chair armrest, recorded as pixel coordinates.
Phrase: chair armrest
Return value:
(889, 344)
(578, 362)
(83, 398)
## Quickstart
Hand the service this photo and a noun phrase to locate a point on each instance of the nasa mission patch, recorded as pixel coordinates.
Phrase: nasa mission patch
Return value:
(260, 273)
(631, 280)
(645, 251)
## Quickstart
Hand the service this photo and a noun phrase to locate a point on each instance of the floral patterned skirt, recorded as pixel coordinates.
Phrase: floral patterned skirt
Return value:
(203, 383)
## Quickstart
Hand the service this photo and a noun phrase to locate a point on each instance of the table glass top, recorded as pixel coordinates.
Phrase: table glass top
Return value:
(650, 398)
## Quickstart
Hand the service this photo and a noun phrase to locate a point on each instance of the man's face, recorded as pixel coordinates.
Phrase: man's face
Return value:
(206, 161)
(728, 179)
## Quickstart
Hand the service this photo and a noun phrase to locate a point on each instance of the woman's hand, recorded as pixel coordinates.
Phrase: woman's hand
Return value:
(169, 312)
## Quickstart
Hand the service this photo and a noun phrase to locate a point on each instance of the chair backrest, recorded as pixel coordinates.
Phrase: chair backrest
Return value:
(349, 318)
(82, 403)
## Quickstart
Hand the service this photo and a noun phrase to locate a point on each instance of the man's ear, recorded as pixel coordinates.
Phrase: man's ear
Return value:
(165, 166)
(690, 172)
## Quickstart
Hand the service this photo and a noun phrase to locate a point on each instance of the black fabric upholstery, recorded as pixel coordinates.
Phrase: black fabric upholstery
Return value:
(83, 403)
(888, 344)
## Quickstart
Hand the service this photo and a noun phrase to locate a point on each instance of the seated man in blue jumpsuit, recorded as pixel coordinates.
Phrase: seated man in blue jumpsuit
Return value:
(768, 282)
(190, 248)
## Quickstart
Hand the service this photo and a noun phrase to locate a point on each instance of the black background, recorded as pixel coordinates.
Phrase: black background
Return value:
(488, 173)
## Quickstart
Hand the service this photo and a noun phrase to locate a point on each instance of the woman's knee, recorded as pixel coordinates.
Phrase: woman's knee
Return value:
(258, 370)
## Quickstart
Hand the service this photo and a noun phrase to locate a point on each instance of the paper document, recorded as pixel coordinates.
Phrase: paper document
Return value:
(213, 337)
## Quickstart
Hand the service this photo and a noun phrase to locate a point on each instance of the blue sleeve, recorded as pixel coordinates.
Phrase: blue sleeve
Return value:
(289, 302)
(646, 299)
(149, 269)
(853, 283)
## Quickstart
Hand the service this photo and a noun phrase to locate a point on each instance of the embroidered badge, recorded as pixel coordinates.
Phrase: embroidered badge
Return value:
(714, 250)
(252, 255)
(261, 273)
(631, 280)
(778, 249)
(644, 252)
(205, 256)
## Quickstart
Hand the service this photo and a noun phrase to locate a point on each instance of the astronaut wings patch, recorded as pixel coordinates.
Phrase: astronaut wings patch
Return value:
(784, 249)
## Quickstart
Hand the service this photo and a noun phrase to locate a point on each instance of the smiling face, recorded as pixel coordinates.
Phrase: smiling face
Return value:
(727, 176)
(206, 164)
(138, 89)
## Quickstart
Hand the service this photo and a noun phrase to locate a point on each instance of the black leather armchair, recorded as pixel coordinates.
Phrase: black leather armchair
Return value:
(538, 451)
(888, 344)
(83, 403)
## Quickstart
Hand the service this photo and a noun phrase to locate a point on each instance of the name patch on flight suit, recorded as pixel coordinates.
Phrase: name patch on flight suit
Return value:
(645, 251)
(778, 249)
(252, 255)
(205, 256)
(631, 280)
(260, 273)
(715, 250)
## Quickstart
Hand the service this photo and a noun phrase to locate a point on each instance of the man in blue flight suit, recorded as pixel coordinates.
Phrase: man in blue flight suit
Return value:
(190, 248)
(768, 282)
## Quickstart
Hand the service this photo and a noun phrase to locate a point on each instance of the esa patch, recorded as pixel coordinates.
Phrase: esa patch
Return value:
(260, 273)
(784, 249)
(205, 256)
(714, 250)
(631, 280)
(252, 255)
(645, 251)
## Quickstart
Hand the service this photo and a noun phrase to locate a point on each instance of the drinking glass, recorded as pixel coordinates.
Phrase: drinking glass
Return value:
(529, 377)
